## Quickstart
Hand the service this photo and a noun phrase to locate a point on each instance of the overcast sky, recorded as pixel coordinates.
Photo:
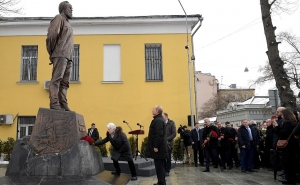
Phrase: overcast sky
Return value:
(230, 39)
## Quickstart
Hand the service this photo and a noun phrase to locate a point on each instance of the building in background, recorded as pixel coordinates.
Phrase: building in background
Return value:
(256, 108)
(236, 94)
(122, 68)
(206, 88)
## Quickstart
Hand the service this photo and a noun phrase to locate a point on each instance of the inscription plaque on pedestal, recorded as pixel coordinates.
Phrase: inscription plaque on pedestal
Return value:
(55, 131)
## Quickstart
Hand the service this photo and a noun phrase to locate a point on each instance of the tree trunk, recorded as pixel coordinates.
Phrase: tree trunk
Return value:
(282, 83)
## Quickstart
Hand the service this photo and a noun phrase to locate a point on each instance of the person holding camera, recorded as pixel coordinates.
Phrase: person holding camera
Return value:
(185, 135)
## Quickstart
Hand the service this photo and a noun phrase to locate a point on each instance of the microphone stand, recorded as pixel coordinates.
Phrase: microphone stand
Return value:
(127, 124)
(137, 152)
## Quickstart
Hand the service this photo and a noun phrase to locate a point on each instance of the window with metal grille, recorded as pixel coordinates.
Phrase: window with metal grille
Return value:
(29, 63)
(25, 125)
(153, 62)
(75, 64)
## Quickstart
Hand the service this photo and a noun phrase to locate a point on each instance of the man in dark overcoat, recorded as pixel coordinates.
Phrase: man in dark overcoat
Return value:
(223, 143)
(197, 141)
(210, 134)
(157, 144)
(248, 141)
(171, 134)
(121, 149)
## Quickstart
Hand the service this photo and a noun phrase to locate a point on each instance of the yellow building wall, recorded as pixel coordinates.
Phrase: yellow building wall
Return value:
(100, 103)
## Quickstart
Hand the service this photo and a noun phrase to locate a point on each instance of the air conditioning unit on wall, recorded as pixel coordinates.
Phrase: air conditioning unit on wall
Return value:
(6, 119)
(47, 84)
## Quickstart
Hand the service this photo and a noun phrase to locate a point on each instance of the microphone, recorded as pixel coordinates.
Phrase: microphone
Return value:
(124, 121)
(139, 125)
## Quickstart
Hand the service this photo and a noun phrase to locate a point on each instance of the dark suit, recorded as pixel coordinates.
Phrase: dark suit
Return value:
(196, 137)
(211, 149)
(94, 134)
(247, 154)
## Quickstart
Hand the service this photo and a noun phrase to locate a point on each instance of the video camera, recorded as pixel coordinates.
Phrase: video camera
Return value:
(181, 129)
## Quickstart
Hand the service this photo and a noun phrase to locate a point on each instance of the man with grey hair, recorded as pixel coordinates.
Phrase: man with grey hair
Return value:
(248, 141)
(121, 149)
(210, 138)
(60, 46)
(157, 144)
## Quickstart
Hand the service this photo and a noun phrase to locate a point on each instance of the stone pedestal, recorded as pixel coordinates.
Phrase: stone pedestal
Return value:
(55, 131)
(55, 149)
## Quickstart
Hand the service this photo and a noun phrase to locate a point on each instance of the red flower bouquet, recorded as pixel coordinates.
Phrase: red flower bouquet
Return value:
(88, 139)
(212, 134)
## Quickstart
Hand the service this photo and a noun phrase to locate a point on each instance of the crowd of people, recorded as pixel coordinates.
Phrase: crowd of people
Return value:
(250, 146)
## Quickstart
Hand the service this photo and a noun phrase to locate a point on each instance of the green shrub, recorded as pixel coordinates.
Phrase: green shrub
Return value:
(144, 146)
(102, 149)
(132, 142)
(8, 147)
(178, 149)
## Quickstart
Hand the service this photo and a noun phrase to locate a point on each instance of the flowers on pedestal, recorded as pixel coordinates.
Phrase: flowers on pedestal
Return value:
(88, 139)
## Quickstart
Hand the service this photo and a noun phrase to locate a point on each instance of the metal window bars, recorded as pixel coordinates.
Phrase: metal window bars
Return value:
(153, 62)
(29, 63)
(75, 64)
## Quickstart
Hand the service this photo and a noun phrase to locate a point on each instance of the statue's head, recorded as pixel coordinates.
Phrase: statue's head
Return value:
(66, 8)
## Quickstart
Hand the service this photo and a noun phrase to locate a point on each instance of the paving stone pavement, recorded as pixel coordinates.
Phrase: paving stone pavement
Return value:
(2, 172)
(190, 175)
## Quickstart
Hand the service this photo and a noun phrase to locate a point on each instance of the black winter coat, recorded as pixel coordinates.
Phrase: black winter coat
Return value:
(157, 138)
(225, 133)
(269, 138)
(194, 138)
(171, 132)
(275, 136)
(284, 132)
(243, 136)
(213, 143)
(121, 147)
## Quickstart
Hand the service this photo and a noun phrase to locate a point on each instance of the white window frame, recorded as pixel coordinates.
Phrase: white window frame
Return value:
(111, 63)
(25, 125)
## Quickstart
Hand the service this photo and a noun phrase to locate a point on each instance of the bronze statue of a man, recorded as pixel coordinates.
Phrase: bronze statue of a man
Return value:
(60, 47)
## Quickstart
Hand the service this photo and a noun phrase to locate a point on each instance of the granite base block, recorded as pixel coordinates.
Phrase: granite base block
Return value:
(80, 160)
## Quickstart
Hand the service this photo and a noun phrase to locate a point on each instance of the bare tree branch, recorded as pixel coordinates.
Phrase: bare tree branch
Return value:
(9, 6)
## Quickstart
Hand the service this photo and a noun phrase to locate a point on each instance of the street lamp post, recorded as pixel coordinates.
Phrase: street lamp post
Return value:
(189, 68)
